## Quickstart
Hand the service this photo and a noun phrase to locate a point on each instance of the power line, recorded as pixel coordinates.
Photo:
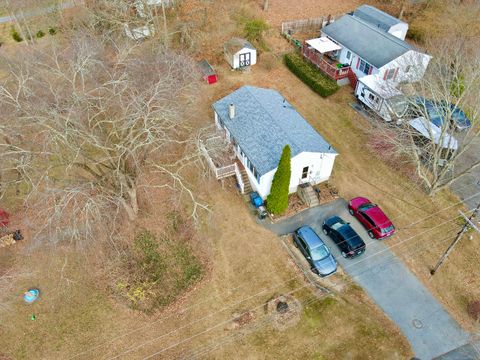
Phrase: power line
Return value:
(242, 285)
(228, 338)
(462, 231)
(222, 323)
(365, 258)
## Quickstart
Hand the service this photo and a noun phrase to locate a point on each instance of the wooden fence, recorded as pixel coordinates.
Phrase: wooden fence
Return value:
(307, 25)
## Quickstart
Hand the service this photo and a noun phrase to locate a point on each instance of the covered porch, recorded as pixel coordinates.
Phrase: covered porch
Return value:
(323, 53)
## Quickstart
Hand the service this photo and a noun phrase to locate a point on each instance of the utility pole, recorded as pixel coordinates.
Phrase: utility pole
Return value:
(468, 223)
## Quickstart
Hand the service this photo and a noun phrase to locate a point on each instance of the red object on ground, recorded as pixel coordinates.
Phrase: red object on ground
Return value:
(208, 72)
(4, 218)
(210, 79)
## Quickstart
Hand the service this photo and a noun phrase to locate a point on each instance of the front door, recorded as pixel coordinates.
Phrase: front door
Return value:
(245, 59)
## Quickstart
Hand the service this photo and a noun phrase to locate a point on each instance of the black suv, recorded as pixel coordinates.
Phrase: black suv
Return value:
(342, 234)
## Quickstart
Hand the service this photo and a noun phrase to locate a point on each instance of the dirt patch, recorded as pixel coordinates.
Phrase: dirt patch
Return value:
(284, 310)
(326, 192)
(242, 319)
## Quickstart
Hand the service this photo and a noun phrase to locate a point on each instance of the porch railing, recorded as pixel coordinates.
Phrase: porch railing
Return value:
(319, 60)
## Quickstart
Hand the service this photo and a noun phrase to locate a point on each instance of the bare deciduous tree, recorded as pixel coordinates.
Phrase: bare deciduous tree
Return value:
(81, 123)
(451, 83)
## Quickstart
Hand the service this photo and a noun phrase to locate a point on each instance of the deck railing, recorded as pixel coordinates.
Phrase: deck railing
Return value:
(319, 60)
(220, 172)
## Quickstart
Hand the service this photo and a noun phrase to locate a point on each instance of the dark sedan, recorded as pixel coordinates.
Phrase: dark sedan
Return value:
(342, 234)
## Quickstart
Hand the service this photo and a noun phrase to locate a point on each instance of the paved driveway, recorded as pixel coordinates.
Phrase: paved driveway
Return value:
(467, 187)
(430, 330)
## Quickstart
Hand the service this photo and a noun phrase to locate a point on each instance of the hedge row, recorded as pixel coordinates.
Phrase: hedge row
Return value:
(310, 75)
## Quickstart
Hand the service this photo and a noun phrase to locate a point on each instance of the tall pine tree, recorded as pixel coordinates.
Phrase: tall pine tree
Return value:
(277, 201)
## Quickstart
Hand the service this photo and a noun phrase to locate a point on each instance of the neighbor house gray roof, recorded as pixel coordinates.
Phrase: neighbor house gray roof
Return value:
(372, 44)
(264, 123)
(376, 17)
(234, 45)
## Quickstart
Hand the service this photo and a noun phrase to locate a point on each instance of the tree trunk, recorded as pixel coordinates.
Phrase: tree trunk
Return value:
(131, 206)
(265, 5)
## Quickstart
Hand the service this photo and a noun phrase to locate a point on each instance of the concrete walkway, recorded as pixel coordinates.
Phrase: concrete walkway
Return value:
(430, 330)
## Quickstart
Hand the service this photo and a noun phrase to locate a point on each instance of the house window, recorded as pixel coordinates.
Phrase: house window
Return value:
(408, 68)
(349, 54)
(390, 74)
(305, 172)
(364, 67)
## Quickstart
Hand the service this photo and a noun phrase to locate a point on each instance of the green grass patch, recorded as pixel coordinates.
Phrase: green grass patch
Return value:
(310, 75)
(158, 269)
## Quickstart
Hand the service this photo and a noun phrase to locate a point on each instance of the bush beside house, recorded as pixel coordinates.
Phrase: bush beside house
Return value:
(277, 200)
(310, 75)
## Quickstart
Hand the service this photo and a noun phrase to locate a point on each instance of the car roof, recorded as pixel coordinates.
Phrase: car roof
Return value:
(310, 236)
(378, 216)
(349, 235)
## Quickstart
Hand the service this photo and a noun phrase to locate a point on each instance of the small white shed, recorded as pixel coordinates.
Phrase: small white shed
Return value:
(239, 53)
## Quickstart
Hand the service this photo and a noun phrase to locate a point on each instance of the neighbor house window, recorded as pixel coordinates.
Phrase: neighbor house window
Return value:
(364, 67)
(349, 54)
(371, 97)
(390, 74)
(408, 69)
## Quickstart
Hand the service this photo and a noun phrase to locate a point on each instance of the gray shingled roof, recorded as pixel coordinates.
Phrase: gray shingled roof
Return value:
(374, 45)
(264, 123)
(376, 17)
(234, 45)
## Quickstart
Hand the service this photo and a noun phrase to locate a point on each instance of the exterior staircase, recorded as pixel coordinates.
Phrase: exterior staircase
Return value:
(353, 78)
(247, 187)
(308, 195)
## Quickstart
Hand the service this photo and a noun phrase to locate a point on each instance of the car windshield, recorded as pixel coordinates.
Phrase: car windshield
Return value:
(320, 253)
(365, 207)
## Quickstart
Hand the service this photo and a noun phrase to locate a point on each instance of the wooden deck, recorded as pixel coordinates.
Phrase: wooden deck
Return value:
(326, 65)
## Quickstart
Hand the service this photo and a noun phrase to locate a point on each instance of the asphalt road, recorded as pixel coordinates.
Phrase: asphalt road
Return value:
(428, 327)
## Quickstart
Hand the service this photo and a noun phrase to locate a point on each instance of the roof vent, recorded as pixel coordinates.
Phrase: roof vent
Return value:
(231, 111)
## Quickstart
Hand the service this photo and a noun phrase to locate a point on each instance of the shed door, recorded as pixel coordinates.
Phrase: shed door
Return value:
(245, 59)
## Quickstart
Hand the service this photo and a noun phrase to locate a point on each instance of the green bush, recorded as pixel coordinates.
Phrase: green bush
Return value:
(15, 35)
(158, 268)
(310, 75)
(457, 86)
(416, 34)
(52, 30)
(39, 34)
(277, 200)
(254, 29)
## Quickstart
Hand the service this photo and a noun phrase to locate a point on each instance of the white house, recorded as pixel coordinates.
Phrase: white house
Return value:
(239, 53)
(259, 123)
(370, 49)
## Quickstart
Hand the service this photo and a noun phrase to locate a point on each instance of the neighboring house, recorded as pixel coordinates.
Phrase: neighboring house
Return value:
(259, 123)
(239, 53)
(370, 50)
(370, 42)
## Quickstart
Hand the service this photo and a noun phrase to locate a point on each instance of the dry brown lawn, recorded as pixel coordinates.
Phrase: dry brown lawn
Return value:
(245, 264)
